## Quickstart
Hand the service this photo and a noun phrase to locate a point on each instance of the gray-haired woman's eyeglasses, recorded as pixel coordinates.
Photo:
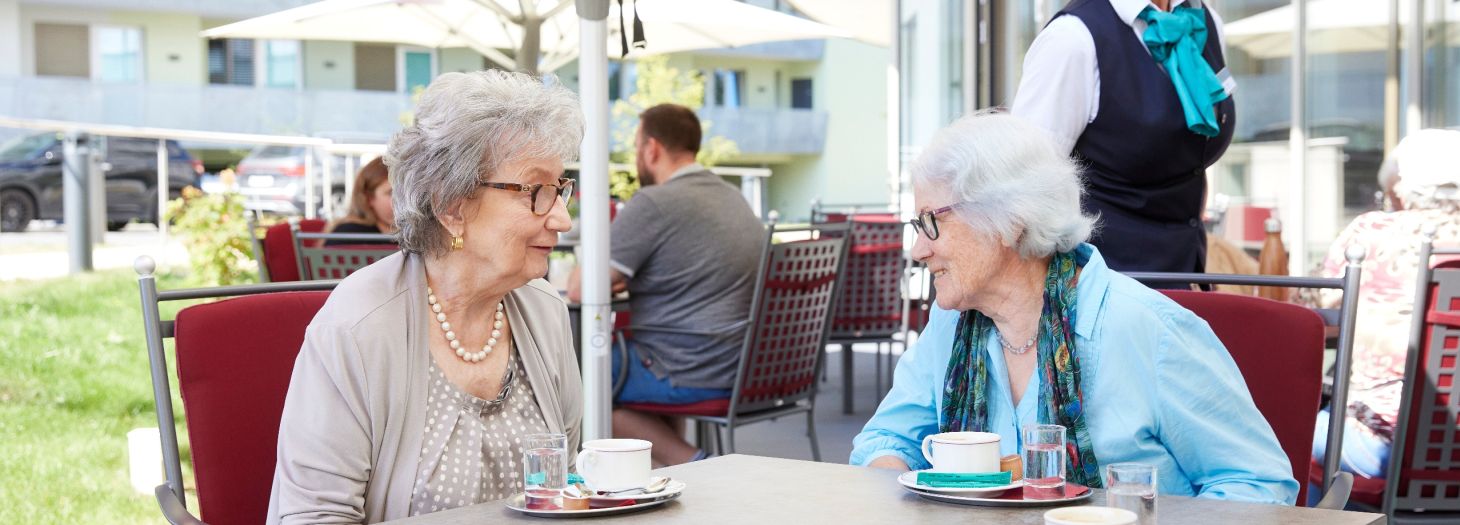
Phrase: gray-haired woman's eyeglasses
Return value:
(542, 201)
(926, 222)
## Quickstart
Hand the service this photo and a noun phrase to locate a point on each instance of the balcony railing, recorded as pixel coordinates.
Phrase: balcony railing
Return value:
(770, 131)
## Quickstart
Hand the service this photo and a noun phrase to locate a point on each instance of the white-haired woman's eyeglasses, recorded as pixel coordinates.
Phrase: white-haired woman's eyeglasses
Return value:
(926, 222)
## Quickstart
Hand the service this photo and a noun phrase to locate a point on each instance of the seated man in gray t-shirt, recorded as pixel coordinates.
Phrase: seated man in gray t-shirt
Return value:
(686, 247)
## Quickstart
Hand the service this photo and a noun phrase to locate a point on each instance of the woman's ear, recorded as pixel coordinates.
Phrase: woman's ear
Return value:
(452, 219)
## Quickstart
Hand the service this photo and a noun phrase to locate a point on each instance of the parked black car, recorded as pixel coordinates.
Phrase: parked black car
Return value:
(30, 179)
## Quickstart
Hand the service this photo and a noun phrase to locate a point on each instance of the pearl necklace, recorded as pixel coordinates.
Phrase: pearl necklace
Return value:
(1016, 350)
(470, 357)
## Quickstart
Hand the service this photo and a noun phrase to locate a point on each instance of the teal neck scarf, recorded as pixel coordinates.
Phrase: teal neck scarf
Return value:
(965, 392)
(1176, 40)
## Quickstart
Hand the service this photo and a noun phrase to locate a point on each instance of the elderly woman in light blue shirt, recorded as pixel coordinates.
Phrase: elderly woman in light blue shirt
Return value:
(1033, 327)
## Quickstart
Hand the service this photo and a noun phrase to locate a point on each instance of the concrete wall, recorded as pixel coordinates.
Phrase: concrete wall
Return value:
(173, 53)
(458, 59)
(329, 65)
(849, 85)
(10, 38)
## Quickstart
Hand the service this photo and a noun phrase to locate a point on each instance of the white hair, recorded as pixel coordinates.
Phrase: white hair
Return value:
(1017, 186)
(467, 126)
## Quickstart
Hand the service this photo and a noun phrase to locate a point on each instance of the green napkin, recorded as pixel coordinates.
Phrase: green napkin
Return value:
(951, 480)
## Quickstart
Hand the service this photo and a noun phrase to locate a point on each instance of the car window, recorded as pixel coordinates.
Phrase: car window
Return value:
(26, 146)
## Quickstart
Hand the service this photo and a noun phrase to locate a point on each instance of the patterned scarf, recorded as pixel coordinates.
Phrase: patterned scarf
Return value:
(965, 392)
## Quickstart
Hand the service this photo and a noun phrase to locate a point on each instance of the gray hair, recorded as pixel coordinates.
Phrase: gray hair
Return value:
(467, 126)
(1019, 187)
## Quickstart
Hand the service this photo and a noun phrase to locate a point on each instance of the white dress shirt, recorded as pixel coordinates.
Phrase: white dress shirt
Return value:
(1060, 90)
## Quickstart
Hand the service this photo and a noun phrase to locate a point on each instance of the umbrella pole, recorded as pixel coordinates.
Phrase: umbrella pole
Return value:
(593, 218)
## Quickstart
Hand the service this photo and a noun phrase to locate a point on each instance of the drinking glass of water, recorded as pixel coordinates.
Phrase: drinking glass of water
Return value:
(544, 467)
(1044, 462)
(1132, 486)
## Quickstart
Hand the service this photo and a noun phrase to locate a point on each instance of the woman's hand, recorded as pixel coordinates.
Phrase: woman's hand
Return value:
(890, 463)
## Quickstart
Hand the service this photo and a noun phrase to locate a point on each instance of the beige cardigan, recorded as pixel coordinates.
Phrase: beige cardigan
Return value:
(350, 435)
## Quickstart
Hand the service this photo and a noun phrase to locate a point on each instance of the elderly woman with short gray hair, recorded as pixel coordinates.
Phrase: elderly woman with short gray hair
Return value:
(422, 373)
(1033, 328)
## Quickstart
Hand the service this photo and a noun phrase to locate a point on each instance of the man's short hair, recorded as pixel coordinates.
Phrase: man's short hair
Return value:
(673, 125)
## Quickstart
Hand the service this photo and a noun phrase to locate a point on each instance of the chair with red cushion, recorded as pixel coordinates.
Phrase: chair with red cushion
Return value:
(232, 377)
(1239, 331)
(1279, 349)
(316, 260)
(278, 262)
(779, 363)
(870, 307)
(1424, 468)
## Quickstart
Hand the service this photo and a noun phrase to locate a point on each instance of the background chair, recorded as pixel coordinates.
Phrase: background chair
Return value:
(1343, 361)
(1279, 349)
(1424, 468)
(232, 377)
(871, 307)
(315, 261)
(781, 359)
(275, 252)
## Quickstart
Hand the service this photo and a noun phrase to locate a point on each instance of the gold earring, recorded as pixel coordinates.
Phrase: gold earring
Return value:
(456, 242)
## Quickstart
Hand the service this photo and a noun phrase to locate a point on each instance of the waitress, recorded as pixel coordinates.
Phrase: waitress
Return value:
(1139, 93)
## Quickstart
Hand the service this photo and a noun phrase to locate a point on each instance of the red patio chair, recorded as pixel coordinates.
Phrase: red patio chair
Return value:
(277, 259)
(870, 307)
(781, 358)
(1424, 469)
(1349, 283)
(316, 261)
(1279, 349)
(232, 377)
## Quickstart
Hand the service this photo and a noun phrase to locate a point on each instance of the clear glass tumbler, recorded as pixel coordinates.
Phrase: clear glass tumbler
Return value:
(544, 469)
(1044, 461)
(1132, 486)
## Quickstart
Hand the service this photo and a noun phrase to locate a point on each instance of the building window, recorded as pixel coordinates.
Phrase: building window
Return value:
(116, 54)
(727, 88)
(230, 61)
(417, 66)
(801, 93)
(615, 80)
(61, 50)
(281, 63)
(374, 67)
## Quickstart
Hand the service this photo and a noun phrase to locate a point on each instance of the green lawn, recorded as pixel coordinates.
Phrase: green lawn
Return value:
(73, 383)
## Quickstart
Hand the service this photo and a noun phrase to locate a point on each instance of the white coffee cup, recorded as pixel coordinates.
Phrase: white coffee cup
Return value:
(971, 452)
(615, 464)
(1089, 515)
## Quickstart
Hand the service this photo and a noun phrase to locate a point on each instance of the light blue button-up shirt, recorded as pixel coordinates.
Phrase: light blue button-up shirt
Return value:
(1159, 388)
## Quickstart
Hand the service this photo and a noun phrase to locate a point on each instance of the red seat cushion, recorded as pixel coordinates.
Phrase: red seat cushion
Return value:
(278, 246)
(710, 408)
(234, 361)
(1278, 347)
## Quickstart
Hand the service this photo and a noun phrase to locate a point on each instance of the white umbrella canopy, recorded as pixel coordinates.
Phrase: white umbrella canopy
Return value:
(492, 26)
(867, 20)
(1334, 26)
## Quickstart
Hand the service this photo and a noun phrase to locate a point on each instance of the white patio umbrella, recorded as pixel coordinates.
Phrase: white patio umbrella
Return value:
(1334, 26)
(541, 34)
(867, 20)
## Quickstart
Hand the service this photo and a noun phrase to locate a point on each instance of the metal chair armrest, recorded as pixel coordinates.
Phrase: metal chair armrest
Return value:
(173, 508)
(1338, 493)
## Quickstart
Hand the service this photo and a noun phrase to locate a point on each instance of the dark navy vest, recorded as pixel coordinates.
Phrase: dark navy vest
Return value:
(1144, 171)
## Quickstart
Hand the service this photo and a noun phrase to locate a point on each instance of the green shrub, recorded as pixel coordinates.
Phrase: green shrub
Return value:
(215, 232)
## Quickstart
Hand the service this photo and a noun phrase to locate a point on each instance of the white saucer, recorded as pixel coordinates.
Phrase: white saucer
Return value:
(910, 480)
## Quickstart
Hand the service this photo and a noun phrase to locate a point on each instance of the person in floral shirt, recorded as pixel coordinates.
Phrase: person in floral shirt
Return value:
(1421, 179)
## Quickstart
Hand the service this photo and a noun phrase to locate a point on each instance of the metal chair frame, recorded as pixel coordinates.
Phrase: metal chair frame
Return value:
(170, 495)
(737, 414)
(1411, 505)
(314, 259)
(1349, 284)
